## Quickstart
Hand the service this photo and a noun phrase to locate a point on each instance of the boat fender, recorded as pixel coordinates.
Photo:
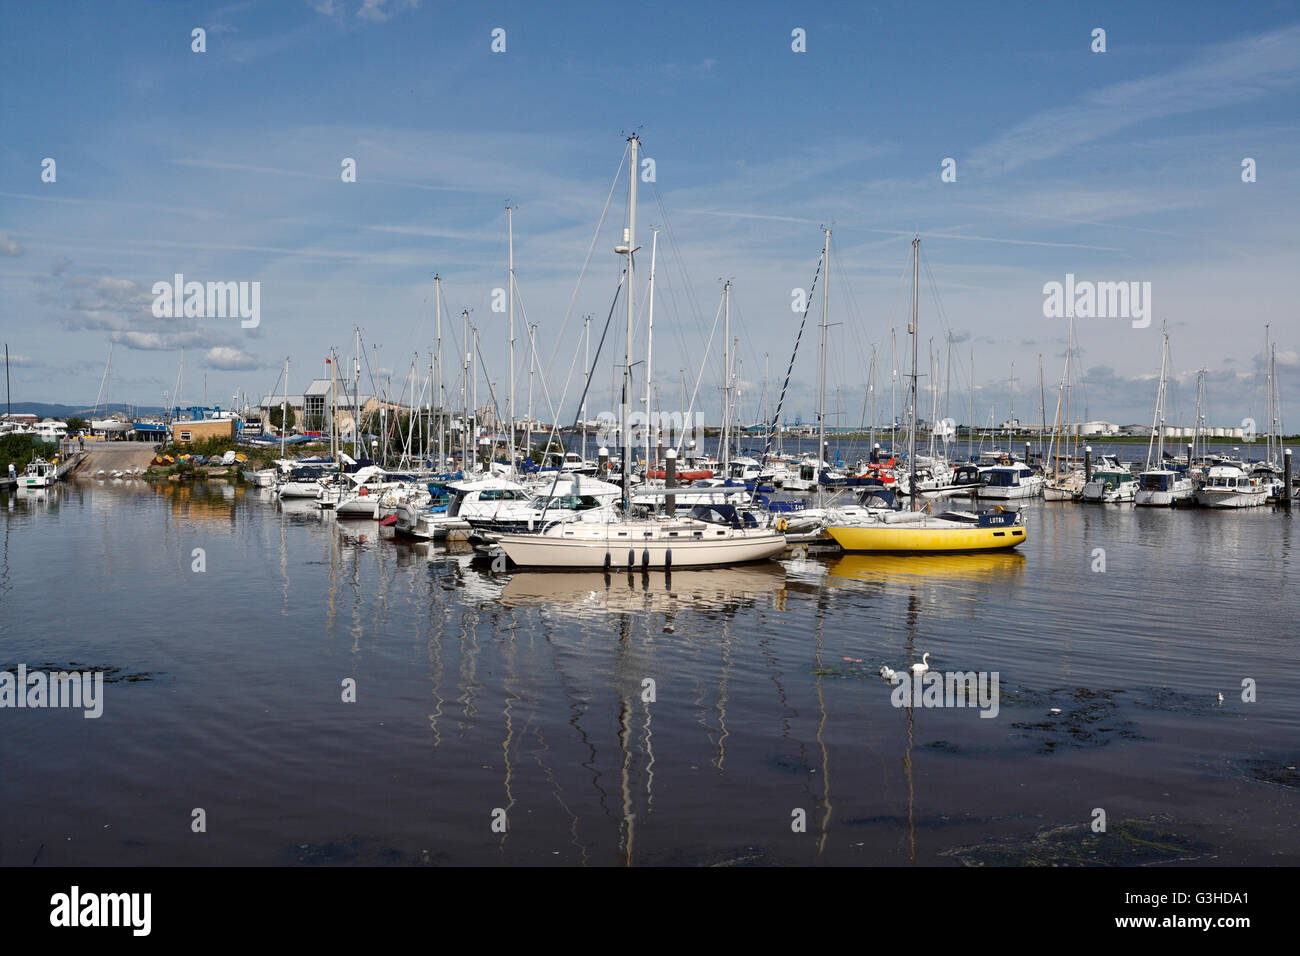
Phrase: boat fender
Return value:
(668, 559)
(631, 558)
(607, 562)
(645, 559)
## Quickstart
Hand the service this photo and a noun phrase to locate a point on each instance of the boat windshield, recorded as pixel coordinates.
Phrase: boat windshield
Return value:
(564, 503)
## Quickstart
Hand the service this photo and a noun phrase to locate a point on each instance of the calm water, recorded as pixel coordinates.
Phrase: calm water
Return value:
(523, 693)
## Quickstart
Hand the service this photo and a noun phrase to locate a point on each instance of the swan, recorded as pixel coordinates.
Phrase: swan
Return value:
(924, 666)
(888, 673)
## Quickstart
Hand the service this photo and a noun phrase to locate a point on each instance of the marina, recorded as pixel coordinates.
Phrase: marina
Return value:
(636, 436)
(526, 690)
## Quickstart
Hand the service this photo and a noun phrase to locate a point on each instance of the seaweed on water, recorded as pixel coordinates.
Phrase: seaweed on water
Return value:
(1138, 842)
(352, 850)
(1279, 772)
(112, 675)
(1087, 718)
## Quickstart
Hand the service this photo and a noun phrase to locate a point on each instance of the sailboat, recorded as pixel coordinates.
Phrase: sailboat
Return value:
(107, 424)
(1159, 486)
(712, 536)
(917, 531)
(1062, 485)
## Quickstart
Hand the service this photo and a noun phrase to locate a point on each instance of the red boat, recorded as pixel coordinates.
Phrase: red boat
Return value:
(681, 475)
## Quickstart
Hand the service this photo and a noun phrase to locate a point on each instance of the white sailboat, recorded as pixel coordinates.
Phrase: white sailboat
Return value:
(1159, 486)
(651, 543)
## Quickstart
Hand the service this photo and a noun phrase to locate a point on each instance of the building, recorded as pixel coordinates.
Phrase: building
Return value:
(1098, 430)
(185, 433)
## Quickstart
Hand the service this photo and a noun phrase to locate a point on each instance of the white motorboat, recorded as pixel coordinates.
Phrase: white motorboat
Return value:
(478, 498)
(1110, 487)
(1161, 488)
(1008, 482)
(563, 498)
(1228, 486)
(39, 473)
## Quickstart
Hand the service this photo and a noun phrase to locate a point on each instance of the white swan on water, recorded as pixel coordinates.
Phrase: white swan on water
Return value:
(924, 666)
(888, 673)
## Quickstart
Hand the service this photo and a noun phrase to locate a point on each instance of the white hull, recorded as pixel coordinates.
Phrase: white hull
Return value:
(359, 506)
(1239, 498)
(300, 489)
(1055, 493)
(1149, 498)
(653, 545)
(1027, 489)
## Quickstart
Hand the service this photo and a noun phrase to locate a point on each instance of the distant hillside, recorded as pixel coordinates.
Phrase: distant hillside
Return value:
(48, 410)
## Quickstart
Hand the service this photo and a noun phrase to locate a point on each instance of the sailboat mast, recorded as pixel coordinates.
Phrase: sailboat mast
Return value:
(464, 392)
(821, 414)
(893, 391)
(1268, 391)
(871, 392)
(649, 347)
(284, 407)
(438, 383)
(912, 330)
(532, 367)
(1042, 409)
(629, 248)
(586, 378)
(356, 396)
(970, 428)
(510, 295)
(726, 379)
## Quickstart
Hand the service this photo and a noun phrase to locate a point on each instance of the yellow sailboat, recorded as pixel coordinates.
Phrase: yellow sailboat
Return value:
(904, 531)
(917, 532)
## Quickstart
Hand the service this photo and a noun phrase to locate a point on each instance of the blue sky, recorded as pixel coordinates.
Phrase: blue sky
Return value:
(224, 166)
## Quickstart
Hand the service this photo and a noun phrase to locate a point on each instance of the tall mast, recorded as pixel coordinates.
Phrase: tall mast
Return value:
(726, 378)
(893, 391)
(947, 386)
(912, 330)
(871, 394)
(510, 295)
(284, 407)
(586, 378)
(464, 393)
(1011, 408)
(1042, 408)
(821, 410)
(1157, 441)
(970, 428)
(649, 348)
(473, 372)
(628, 248)
(438, 386)
(1268, 391)
(356, 398)
(934, 395)
(532, 368)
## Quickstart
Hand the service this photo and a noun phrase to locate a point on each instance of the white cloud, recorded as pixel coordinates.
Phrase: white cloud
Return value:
(223, 357)
(9, 247)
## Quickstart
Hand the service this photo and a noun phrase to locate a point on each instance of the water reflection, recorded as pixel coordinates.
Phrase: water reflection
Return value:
(949, 568)
(581, 594)
(525, 690)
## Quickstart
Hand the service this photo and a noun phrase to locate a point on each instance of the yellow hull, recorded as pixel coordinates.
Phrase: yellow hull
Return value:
(900, 538)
